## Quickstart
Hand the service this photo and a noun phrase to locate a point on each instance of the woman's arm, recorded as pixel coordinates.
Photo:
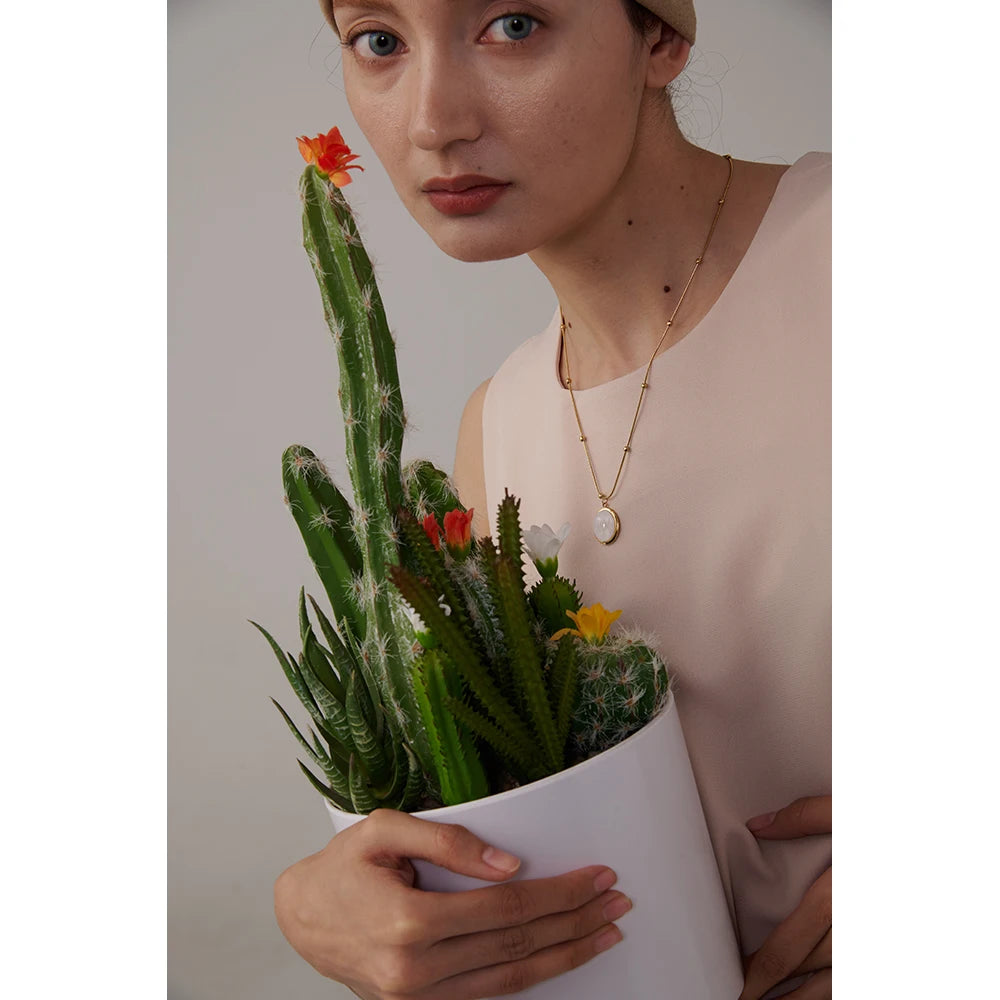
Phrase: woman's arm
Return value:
(469, 477)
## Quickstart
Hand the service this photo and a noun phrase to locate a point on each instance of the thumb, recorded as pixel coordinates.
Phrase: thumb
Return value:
(802, 818)
(448, 845)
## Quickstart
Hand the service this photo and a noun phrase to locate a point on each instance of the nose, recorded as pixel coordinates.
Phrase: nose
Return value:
(445, 103)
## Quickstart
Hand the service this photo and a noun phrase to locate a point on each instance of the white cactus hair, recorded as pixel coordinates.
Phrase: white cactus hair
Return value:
(631, 635)
(299, 464)
(422, 505)
(382, 643)
(408, 475)
(391, 531)
(356, 589)
(350, 420)
(348, 234)
(388, 400)
(305, 191)
(315, 261)
(382, 456)
(337, 328)
(373, 590)
(368, 297)
(323, 519)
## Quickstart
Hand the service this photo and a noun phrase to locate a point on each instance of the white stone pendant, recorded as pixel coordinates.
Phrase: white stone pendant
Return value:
(606, 525)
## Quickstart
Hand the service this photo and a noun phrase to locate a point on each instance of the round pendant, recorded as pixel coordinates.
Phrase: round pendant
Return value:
(606, 525)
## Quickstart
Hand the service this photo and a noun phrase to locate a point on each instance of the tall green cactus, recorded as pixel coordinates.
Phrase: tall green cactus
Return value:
(353, 546)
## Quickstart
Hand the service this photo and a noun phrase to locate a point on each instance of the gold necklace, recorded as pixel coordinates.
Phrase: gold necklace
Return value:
(607, 523)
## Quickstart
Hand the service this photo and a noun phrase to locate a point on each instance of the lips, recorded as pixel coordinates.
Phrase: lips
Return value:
(464, 194)
(469, 201)
(462, 182)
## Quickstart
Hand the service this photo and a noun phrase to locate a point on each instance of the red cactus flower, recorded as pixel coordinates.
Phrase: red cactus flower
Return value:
(458, 532)
(433, 530)
(331, 155)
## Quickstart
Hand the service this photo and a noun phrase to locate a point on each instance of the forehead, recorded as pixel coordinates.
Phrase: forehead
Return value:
(399, 6)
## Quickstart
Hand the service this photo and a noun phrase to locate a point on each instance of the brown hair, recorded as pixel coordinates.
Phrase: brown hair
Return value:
(641, 18)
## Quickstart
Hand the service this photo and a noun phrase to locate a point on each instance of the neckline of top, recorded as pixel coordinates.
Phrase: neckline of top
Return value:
(554, 340)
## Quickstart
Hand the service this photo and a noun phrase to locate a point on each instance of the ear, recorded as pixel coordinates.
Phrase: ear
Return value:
(668, 55)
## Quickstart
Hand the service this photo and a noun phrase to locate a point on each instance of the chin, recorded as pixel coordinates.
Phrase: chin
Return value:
(475, 247)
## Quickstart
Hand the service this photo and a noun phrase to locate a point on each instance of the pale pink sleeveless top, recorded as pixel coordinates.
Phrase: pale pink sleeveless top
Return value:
(724, 551)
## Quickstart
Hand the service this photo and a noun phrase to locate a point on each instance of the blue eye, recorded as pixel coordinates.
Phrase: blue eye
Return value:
(381, 42)
(517, 26)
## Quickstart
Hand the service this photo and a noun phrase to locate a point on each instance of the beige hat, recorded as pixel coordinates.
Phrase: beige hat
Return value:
(679, 14)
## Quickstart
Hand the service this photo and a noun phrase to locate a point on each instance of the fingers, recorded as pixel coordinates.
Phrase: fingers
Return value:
(818, 987)
(513, 977)
(791, 942)
(821, 957)
(512, 904)
(471, 952)
(391, 833)
(801, 818)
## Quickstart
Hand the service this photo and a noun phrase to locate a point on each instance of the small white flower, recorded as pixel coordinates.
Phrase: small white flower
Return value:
(542, 543)
(415, 620)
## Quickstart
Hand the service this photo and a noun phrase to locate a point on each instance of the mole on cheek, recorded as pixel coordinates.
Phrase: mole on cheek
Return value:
(630, 222)
(666, 288)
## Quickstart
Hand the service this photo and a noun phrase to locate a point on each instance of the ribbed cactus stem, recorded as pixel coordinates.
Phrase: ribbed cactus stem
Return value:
(373, 421)
(429, 490)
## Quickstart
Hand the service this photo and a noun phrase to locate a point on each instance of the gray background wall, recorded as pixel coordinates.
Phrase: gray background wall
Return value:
(251, 371)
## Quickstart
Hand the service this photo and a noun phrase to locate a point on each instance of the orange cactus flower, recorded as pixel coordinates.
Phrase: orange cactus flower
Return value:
(433, 530)
(331, 155)
(592, 623)
(458, 532)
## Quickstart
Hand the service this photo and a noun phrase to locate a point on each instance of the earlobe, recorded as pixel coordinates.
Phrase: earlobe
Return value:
(667, 57)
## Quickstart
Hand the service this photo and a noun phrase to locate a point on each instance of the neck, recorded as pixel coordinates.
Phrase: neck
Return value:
(618, 277)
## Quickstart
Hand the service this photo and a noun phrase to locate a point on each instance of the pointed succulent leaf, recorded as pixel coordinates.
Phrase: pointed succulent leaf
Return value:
(345, 805)
(416, 784)
(361, 797)
(316, 754)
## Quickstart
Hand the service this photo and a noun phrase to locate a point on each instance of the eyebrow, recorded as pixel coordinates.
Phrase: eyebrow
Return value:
(380, 6)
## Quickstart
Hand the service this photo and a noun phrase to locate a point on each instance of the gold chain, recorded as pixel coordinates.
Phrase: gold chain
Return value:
(605, 498)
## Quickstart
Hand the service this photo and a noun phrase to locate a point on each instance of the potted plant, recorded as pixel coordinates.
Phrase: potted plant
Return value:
(440, 686)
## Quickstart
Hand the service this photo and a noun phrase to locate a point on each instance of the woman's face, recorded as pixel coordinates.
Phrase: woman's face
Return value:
(540, 96)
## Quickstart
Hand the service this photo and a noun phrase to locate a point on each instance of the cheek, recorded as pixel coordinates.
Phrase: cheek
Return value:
(581, 124)
(381, 117)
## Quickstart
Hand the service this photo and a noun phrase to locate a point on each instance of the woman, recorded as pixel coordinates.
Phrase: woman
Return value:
(693, 292)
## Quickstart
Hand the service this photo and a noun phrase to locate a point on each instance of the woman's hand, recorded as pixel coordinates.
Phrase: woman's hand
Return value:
(803, 942)
(352, 913)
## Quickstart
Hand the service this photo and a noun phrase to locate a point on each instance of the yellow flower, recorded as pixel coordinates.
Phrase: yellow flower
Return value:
(592, 623)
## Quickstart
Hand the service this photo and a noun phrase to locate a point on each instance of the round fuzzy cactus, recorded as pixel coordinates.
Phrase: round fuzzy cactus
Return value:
(623, 684)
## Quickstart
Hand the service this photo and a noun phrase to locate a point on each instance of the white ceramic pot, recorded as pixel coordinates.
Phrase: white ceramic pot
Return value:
(636, 809)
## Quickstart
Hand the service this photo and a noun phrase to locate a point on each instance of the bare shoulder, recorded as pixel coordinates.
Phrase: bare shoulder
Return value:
(469, 474)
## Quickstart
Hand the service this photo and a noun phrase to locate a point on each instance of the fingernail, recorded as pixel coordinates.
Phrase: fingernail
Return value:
(605, 880)
(501, 860)
(759, 822)
(607, 939)
(617, 907)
